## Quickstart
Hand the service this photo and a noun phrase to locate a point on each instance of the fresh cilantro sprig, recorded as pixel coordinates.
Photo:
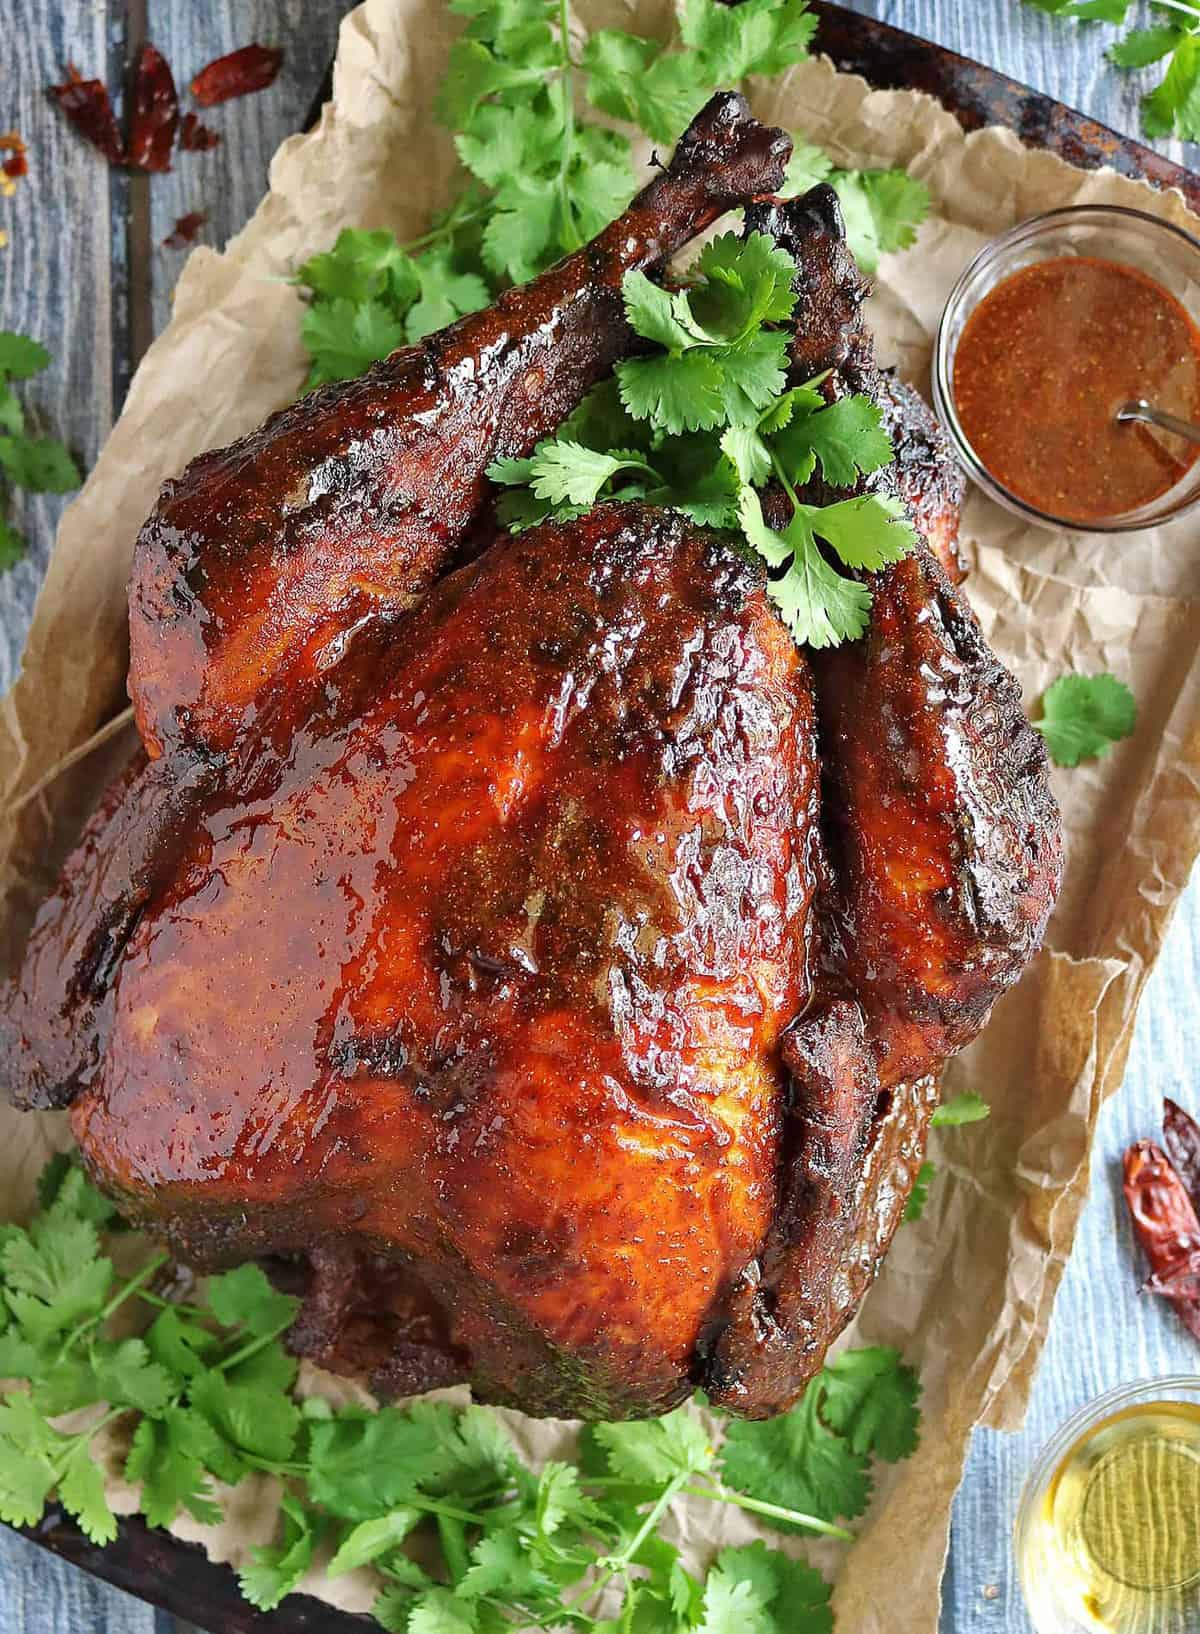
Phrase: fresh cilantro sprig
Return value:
(1170, 33)
(959, 1110)
(542, 179)
(882, 208)
(40, 464)
(706, 421)
(1083, 716)
(951, 1114)
(204, 1396)
(817, 1458)
(918, 1197)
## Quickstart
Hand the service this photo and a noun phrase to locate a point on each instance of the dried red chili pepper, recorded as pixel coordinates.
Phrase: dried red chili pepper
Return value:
(1165, 1221)
(1183, 1146)
(86, 104)
(16, 164)
(195, 137)
(252, 68)
(155, 112)
(185, 230)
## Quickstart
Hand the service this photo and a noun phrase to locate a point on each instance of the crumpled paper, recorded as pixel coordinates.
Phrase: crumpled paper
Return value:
(966, 1294)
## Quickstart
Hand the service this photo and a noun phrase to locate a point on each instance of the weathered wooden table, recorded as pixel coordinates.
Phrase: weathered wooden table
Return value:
(85, 272)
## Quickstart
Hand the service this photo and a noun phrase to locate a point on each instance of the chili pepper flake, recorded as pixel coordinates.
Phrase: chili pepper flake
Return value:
(252, 68)
(155, 112)
(195, 137)
(86, 104)
(185, 230)
(1166, 1225)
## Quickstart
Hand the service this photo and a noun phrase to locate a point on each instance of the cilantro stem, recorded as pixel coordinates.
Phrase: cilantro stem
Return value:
(571, 239)
(126, 1292)
(1181, 5)
(72, 1443)
(755, 1506)
(456, 217)
(178, 1305)
(452, 1537)
(618, 1563)
(253, 1346)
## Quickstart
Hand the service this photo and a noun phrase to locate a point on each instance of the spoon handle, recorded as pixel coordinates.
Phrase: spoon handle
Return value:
(1139, 409)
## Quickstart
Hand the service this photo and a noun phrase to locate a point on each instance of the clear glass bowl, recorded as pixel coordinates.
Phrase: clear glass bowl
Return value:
(1058, 1596)
(1108, 232)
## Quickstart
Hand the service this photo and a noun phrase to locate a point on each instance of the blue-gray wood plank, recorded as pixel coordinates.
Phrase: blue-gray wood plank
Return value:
(62, 278)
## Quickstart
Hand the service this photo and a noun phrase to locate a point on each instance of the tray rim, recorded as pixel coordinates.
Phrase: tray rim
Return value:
(177, 1576)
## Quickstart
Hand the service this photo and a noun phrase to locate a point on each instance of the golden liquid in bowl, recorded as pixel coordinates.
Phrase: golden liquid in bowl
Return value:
(1115, 1546)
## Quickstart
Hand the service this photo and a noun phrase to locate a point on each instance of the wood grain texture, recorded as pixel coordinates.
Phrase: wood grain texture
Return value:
(57, 274)
(228, 183)
(63, 278)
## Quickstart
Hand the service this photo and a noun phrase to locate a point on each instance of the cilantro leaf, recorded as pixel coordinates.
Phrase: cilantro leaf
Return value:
(566, 471)
(369, 1539)
(898, 204)
(818, 606)
(362, 1466)
(272, 1573)
(81, 1493)
(12, 542)
(20, 356)
(732, 1607)
(780, 1595)
(41, 464)
(656, 315)
(446, 294)
(256, 1419)
(847, 438)
(757, 37)
(345, 337)
(1084, 715)
(1142, 46)
(675, 393)
(960, 1109)
(657, 1450)
(125, 1376)
(797, 1461)
(1102, 11)
(1174, 107)
(245, 1298)
(362, 266)
(867, 532)
(167, 1456)
(870, 1398)
(747, 281)
(918, 1198)
(630, 79)
(438, 1611)
(807, 166)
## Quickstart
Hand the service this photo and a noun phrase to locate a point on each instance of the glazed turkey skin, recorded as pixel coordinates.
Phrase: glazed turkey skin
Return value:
(528, 900)
(540, 957)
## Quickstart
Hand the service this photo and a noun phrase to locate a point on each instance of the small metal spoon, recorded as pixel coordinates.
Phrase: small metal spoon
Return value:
(1139, 409)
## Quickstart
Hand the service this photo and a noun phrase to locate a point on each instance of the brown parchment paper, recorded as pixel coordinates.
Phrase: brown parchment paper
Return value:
(967, 1293)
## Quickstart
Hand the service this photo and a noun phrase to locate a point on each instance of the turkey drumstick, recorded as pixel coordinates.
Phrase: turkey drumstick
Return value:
(262, 559)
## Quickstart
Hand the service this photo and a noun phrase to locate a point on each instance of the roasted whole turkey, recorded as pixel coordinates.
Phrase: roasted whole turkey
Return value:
(518, 939)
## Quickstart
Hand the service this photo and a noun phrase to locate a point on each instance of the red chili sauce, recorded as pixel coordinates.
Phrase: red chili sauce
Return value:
(1044, 363)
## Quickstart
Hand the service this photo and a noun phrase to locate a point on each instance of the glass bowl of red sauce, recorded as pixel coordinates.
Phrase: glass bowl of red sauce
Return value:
(1053, 328)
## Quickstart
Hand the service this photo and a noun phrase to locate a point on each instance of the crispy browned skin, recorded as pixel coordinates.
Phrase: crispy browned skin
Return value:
(263, 558)
(943, 850)
(527, 899)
